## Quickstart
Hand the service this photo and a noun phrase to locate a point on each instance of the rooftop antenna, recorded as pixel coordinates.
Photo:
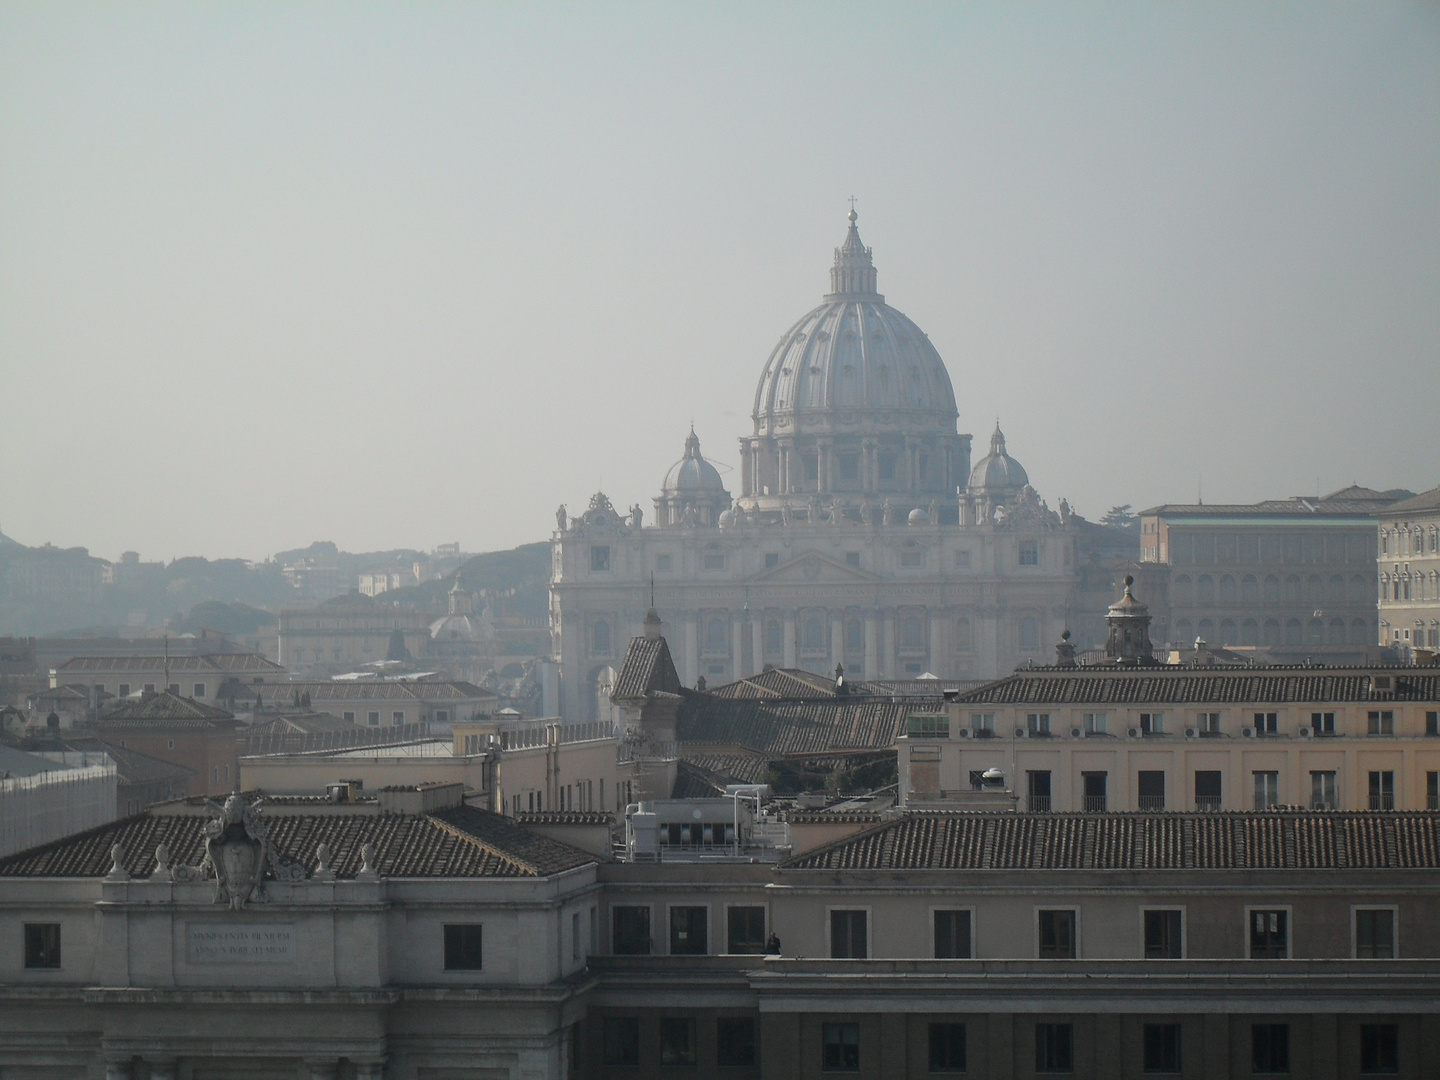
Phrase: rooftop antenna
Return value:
(1200, 490)
(652, 589)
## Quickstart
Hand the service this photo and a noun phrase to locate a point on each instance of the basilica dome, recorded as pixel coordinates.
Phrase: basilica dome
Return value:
(851, 358)
(692, 474)
(997, 470)
(854, 404)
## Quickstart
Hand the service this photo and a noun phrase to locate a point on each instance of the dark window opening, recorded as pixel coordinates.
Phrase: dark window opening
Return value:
(1095, 784)
(1379, 1048)
(1207, 789)
(1375, 934)
(1152, 789)
(1057, 935)
(735, 1041)
(1054, 1048)
(1270, 1048)
(848, 935)
(42, 945)
(840, 1046)
(621, 1040)
(462, 947)
(689, 931)
(952, 935)
(947, 1048)
(1269, 938)
(600, 557)
(1162, 935)
(1162, 1048)
(1037, 789)
(747, 930)
(632, 931)
(677, 1040)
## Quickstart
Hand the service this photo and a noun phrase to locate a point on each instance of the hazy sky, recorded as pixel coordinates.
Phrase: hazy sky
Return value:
(404, 274)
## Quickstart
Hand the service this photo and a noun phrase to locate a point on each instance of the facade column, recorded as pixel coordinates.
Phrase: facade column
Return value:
(837, 641)
(737, 647)
(872, 646)
(887, 654)
(692, 651)
(757, 645)
(938, 649)
(789, 639)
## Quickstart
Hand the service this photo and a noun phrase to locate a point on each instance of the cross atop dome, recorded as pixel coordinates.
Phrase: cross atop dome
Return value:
(853, 275)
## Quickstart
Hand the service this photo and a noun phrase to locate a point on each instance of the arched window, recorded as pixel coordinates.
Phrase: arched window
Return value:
(1293, 631)
(1314, 589)
(1272, 587)
(813, 636)
(1227, 589)
(600, 639)
(1362, 588)
(1229, 635)
(1292, 587)
(1250, 632)
(715, 644)
(1250, 588)
(1272, 632)
(963, 640)
(854, 636)
(1315, 632)
(1337, 631)
(1206, 629)
(1205, 594)
(1337, 589)
(774, 639)
(1184, 632)
(1029, 634)
(1359, 632)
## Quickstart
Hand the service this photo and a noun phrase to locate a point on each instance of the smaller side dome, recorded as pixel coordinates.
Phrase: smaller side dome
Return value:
(997, 470)
(693, 492)
(918, 517)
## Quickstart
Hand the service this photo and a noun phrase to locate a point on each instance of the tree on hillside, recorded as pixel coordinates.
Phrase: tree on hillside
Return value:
(1120, 517)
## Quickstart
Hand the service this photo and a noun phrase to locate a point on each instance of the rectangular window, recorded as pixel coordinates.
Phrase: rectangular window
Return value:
(747, 930)
(621, 1038)
(1095, 784)
(911, 559)
(1162, 1048)
(714, 562)
(1152, 723)
(1029, 553)
(373, 719)
(1209, 723)
(199, 690)
(1207, 790)
(1375, 934)
(1380, 722)
(840, 1047)
(928, 726)
(677, 1040)
(1056, 932)
(1163, 935)
(735, 1041)
(1432, 722)
(947, 1048)
(1324, 790)
(982, 725)
(1270, 1048)
(1152, 789)
(1267, 723)
(1322, 724)
(662, 562)
(1379, 1048)
(349, 717)
(1037, 790)
(852, 558)
(600, 557)
(1267, 789)
(149, 688)
(462, 947)
(631, 931)
(1054, 1048)
(397, 718)
(848, 935)
(123, 690)
(1269, 934)
(1382, 790)
(952, 935)
(42, 945)
(575, 947)
(1038, 724)
(1432, 791)
(174, 689)
(962, 560)
(1096, 723)
(772, 559)
(689, 931)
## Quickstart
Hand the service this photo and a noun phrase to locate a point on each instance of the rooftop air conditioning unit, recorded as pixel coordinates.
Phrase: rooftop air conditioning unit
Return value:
(1190, 733)
(1248, 732)
(1019, 733)
(1074, 733)
(1134, 733)
(1305, 733)
(964, 733)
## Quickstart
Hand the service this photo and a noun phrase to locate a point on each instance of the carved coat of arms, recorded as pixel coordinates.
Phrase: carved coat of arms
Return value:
(238, 853)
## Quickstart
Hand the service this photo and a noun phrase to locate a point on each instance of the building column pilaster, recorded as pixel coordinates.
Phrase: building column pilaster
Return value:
(757, 645)
(872, 646)
(837, 641)
(887, 656)
(790, 639)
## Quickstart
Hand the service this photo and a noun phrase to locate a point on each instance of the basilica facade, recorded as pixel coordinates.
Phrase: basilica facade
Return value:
(862, 535)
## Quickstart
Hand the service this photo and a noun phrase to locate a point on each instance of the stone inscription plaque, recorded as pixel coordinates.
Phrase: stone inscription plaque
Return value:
(227, 943)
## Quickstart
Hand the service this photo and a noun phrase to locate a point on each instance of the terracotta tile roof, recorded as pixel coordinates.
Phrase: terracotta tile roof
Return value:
(727, 766)
(1426, 500)
(564, 817)
(457, 841)
(361, 690)
(646, 669)
(131, 766)
(791, 728)
(1180, 685)
(210, 663)
(168, 710)
(1222, 841)
(833, 817)
(798, 684)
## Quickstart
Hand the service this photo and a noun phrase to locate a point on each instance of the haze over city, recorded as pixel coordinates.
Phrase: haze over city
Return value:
(397, 275)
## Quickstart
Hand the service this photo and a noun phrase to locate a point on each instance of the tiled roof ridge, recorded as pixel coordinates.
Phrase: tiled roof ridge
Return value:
(461, 834)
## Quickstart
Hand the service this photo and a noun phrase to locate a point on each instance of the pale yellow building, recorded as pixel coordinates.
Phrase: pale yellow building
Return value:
(1410, 576)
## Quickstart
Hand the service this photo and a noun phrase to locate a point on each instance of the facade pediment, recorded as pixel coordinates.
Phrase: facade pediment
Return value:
(812, 568)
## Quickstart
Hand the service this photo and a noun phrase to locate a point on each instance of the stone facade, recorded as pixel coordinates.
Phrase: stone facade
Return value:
(861, 536)
(1410, 576)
